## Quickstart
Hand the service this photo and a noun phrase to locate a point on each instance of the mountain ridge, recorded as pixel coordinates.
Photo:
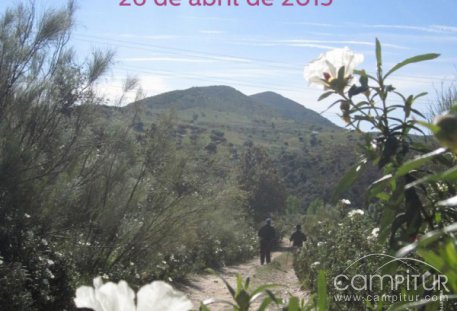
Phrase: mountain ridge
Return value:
(266, 106)
(290, 108)
(305, 147)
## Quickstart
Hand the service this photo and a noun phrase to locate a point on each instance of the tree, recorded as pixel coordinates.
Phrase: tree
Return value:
(44, 97)
(259, 178)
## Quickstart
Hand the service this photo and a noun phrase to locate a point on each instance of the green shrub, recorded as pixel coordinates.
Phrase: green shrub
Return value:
(334, 243)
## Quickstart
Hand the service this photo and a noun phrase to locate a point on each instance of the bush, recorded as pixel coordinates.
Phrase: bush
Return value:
(334, 243)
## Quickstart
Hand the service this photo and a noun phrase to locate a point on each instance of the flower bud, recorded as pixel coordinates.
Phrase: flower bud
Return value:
(447, 133)
(344, 106)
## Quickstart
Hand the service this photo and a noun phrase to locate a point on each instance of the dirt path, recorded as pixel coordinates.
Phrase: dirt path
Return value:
(280, 271)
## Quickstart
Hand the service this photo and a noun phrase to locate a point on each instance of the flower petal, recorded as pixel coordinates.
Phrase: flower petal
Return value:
(85, 298)
(160, 296)
(330, 63)
(116, 297)
(98, 282)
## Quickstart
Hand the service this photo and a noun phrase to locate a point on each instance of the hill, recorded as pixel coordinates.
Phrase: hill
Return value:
(242, 118)
(305, 147)
(288, 108)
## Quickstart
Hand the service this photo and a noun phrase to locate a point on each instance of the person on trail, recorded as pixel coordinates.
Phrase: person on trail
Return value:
(267, 236)
(298, 237)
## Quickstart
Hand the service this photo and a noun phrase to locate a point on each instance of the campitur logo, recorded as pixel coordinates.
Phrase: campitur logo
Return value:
(414, 281)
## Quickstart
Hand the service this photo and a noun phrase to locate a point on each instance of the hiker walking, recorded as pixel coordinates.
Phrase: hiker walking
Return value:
(267, 235)
(298, 237)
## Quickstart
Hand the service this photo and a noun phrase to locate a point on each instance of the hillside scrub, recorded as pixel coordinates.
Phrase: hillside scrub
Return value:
(80, 196)
(415, 198)
(142, 194)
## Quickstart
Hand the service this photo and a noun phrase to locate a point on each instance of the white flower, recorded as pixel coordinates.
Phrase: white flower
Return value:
(345, 202)
(374, 234)
(324, 69)
(355, 212)
(157, 296)
(319, 244)
(315, 264)
(50, 274)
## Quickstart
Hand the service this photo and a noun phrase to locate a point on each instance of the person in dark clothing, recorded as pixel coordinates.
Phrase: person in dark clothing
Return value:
(298, 237)
(267, 236)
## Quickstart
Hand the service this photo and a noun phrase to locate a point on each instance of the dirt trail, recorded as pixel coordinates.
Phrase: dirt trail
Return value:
(280, 271)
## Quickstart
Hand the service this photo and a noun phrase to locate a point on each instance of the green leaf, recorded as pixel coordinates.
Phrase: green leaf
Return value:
(427, 240)
(415, 59)
(420, 95)
(265, 303)
(247, 282)
(203, 308)
(242, 299)
(432, 127)
(322, 295)
(408, 103)
(448, 175)
(361, 72)
(431, 258)
(230, 288)
(341, 73)
(325, 95)
(364, 80)
(294, 304)
(418, 113)
(349, 178)
(418, 129)
(418, 162)
(438, 217)
(329, 107)
(383, 196)
(379, 57)
(379, 185)
(264, 288)
(239, 283)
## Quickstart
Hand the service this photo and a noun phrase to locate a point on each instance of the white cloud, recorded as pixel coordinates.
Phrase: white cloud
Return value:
(211, 32)
(311, 24)
(230, 59)
(445, 29)
(111, 88)
(166, 59)
(248, 73)
(312, 43)
(153, 84)
(146, 37)
(300, 42)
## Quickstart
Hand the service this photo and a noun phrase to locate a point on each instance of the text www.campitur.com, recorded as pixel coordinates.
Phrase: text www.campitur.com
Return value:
(388, 298)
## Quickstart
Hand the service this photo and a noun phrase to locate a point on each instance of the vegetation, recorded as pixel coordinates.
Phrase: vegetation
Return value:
(141, 193)
(81, 196)
(415, 200)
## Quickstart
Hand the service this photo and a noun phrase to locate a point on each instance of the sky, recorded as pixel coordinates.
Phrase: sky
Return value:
(259, 48)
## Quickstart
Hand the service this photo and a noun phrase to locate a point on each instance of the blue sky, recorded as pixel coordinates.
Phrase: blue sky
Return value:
(256, 49)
